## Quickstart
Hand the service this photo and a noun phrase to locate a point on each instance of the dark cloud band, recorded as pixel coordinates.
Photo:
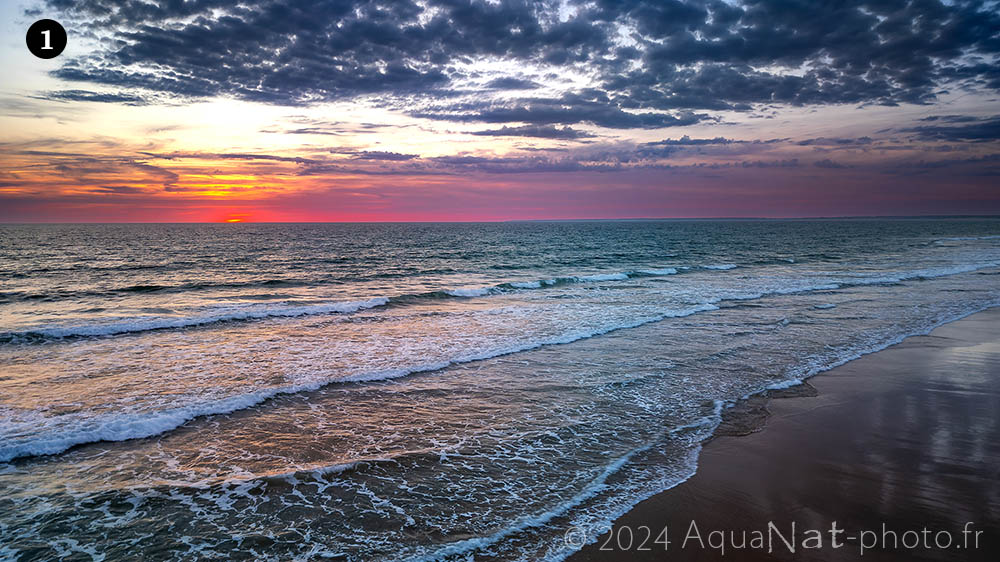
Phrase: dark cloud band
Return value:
(677, 59)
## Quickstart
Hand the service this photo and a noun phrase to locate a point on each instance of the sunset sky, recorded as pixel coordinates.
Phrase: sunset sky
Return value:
(208, 110)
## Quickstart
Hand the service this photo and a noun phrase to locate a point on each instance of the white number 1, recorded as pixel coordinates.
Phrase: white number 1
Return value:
(48, 41)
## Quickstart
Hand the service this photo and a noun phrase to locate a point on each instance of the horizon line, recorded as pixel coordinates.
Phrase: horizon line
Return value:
(633, 219)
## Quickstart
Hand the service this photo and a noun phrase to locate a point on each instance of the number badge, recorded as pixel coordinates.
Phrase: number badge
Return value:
(46, 39)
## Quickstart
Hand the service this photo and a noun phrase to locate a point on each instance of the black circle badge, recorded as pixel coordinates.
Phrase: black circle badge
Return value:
(46, 39)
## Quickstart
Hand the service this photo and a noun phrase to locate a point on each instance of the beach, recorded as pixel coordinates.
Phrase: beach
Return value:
(908, 438)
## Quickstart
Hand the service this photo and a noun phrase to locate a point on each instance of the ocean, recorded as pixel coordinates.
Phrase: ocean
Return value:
(417, 391)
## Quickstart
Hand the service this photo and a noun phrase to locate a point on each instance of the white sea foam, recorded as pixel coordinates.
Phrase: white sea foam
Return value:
(469, 292)
(784, 384)
(121, 427)
(612, 513)
(259, 312)
(597, 277)
(227, 314)
(603, 277)
(118, 427)
(663, 271)
(594, 487)
(56, 438)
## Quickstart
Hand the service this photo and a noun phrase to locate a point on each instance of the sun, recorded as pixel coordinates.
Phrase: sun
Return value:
(236, 217)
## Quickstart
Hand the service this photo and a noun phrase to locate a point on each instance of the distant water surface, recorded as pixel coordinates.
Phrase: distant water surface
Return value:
(417, 391)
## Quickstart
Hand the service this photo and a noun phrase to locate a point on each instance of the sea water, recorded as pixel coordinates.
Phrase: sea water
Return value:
(417, 391)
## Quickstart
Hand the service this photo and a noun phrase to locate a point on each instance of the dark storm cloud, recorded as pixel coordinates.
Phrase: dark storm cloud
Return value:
(683, 57)
(380, 155)
(523, 164)
(536, 131)
(100, 97)
(118, 189)
(511, 83)
(827, 163)
(836, 142)
(688, 141)
(569, 109)
(950, 119)
(786, 163)
(980, 130)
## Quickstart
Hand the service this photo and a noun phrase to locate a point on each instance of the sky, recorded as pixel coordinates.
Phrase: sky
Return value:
(467, 110)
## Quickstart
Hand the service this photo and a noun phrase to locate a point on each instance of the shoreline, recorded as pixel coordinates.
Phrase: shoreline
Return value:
(907, 437)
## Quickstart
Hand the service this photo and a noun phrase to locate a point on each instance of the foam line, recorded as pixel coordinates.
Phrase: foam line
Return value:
(137, 426)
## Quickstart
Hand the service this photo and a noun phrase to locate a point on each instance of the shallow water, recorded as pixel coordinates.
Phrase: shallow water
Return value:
(394, 391)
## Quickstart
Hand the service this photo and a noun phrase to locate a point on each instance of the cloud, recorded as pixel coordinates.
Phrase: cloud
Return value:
(570, 109)
(537, 131)
(980, 130)
(511, 83)
(380, 155)
(688, 141)
(99, 97)
(118, 189)
(827, 163)
(308, 131)
(950, 118)
(646, 63)
(836, 142)
(227, 156)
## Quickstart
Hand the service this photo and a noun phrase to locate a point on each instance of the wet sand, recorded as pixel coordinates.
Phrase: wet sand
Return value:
(908, 437)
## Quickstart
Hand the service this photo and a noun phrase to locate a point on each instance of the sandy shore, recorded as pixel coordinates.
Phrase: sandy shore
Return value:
(908, 438)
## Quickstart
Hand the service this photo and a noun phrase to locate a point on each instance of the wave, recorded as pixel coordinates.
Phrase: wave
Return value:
(58, 295)
(706, 427)
(137, 426)
(926, 273)
(965, 238)
(774, 261)
(163, 323)
(258, 312)
(469, 292)
(713, 421)
(597, 485)
(146, 425)
(657, 272)
(531, 284)
(603, 277)
(721, 266)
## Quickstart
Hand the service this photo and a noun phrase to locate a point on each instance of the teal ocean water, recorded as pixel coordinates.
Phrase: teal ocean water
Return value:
(417, 391)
